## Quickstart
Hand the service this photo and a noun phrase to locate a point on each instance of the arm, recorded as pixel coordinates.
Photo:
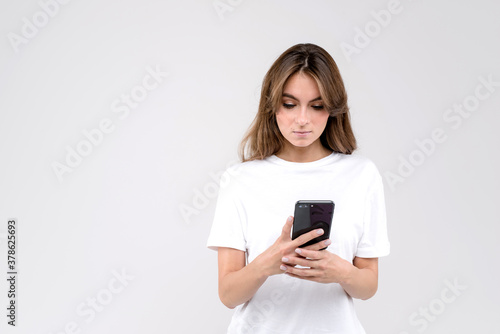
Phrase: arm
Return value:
(359, 279)
(362, 282)
(238, 283)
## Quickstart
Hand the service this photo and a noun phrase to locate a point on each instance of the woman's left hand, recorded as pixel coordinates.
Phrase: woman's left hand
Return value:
(323, 266)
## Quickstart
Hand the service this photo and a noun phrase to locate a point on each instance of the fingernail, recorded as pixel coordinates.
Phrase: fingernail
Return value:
(282, 267)
(320, 231)
(327, 242)
(285, 259)
(298, 251)
(289, 219)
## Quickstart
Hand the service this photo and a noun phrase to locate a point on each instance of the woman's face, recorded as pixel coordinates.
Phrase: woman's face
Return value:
(301, 116)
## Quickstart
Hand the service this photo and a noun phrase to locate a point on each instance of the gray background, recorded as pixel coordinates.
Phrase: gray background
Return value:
(120, 208)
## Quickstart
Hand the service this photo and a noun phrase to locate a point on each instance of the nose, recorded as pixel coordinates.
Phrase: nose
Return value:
(302, 118)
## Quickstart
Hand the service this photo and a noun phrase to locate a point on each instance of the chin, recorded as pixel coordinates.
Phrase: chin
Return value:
(301, 144)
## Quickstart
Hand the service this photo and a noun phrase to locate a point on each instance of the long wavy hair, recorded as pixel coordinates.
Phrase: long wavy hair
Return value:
(264, 138)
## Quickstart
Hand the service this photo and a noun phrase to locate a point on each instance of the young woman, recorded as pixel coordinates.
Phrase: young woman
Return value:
(299, 148)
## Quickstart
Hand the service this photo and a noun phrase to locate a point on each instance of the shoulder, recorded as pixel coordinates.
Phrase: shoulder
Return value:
(250, 167)
(239, 172)
(358, 162)
(241, 168)
(360, 169)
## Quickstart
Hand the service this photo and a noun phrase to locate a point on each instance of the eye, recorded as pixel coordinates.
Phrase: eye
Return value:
(319, 107)
(288, 105)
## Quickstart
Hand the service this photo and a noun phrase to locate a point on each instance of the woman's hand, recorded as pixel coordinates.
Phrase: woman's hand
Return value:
(322, 266)
(239, 282)
(359, 279)
(270, 260)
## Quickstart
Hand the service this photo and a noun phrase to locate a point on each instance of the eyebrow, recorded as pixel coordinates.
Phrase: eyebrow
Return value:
(296, 99)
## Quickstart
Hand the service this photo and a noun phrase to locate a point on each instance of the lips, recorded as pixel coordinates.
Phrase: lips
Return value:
(302, 133)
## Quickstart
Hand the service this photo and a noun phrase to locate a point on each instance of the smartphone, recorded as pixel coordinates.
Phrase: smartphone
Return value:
(310, 215)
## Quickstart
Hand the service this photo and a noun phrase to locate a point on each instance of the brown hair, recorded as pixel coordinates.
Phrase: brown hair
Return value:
(264, 138)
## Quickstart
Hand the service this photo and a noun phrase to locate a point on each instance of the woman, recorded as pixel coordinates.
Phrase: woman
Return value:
(299, 147)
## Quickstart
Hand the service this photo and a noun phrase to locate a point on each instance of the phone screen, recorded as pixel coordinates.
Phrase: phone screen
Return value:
(310, 215)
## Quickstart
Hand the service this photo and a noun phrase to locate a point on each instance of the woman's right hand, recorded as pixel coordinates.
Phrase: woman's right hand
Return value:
(239, 282)
(270, 260)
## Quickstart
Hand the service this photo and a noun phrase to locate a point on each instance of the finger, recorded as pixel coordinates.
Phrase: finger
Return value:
(311, 254)
(301, 272)
(319, 245)
(294, 260)
(287, 228)
(308, 236)
(312, 278)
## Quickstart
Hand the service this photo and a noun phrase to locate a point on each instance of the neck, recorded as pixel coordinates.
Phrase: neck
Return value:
(303, 154)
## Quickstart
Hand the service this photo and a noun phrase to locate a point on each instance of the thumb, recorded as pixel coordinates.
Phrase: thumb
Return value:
(287, 229)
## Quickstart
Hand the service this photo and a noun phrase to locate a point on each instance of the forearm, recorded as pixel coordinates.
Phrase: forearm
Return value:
(238, 282)
(238, 287)
(360, 283)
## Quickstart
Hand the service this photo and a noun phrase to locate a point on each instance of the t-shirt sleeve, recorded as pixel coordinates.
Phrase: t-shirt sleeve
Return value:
(227, 226)
(374, 241)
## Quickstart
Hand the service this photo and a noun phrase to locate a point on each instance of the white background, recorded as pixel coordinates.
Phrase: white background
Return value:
(120, 208)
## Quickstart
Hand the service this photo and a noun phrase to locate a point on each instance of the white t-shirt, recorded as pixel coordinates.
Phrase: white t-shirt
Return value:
(256, 198)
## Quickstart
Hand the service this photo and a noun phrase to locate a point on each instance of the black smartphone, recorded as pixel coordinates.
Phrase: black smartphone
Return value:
(310, 215)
